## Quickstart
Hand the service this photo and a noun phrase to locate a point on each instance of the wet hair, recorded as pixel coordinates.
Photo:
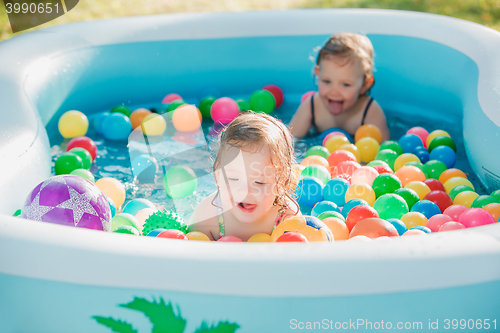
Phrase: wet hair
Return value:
(251, 132)
(349, 47)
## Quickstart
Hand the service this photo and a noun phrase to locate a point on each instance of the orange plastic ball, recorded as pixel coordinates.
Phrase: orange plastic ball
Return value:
(138, 116)
(345, 168)
(410, 173)
(353, 149)
(493, 209)
(465, 198)
(112, 188)
(198, 236)
(451, 173)
(373, 228)
(340, 156)
(315, 159)
(368, 148)
(368, 130)
(412, 219)
(335, 142)
(420, 187)
(186, 118)
(260, 238)
(360, 191)
(337, 227)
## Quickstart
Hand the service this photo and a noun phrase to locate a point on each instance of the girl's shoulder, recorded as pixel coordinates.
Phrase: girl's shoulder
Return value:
(204, 217)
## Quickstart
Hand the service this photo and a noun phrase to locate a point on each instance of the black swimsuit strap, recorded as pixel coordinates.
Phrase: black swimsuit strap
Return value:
(313, 123)
(366, 110)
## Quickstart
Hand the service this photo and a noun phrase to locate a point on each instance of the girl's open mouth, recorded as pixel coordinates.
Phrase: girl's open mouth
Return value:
(335, 107)
(246, 207)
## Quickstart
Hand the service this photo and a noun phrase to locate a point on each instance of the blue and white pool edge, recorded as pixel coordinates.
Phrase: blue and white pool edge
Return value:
(47, 259)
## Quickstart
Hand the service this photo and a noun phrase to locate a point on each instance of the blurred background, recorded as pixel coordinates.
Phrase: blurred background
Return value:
(486, 12)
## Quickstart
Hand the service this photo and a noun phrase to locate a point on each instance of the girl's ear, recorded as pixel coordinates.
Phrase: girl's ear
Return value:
(368, 84)
(316, 70)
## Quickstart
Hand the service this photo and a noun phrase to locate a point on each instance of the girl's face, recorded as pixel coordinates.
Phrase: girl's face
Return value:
(339, 85)
(247, 182)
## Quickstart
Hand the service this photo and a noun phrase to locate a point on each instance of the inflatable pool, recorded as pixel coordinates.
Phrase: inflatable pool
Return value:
(59, 279)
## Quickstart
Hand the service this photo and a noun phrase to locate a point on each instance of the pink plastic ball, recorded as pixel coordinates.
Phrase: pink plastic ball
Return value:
(229, 239)
(475, 217)
(170, 98)
(173, 234)
(436, 221)
(414, 232)
(451, 226)
(329, 135)
(292, 237)
(306, 96)
(364, 174)
(420, 132)
(224, 110)
(454, 211)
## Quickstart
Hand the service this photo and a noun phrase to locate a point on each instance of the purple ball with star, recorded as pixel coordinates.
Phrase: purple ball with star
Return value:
(68, 200)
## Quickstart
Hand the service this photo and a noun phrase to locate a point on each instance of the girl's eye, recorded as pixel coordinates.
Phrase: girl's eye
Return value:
(346, 84)
(326, 81)
(260, 183)
(235, 179)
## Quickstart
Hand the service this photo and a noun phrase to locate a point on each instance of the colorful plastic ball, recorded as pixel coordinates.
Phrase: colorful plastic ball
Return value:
(494, 210)
(392, 145)
(126, 229)
(116, 126)
(440, 198)
(412, 219)
(317, 171)
(112, 188)
(186, 118)
(292, 236)
(420, 132)
(496, 195)
(450, 173)
(404, 159)
(360, 238)
(482, 201)
(340, 156)
(68, 162)
(83, 142)
(434, 184)
(124, 219)
(134, 206)
(262, 101)
(435, 134)
(155, 232)
(205, 105)
(434, 169)
(180, 181)
(386, 183)
(456, 181)
(368, 130)
(143, 215)
(153, 124)
(229, 239)
(345, 168)
(422, 154)
(419, 187)
(331, 213)
(382, 169)
(224, 110)
(72, 124)
(172, 234)
(358, 214)
(423, 228)
(306, 96)
(444, 154)
(465, 198)
(324, 206)
(138, 116)
(368, 148)
(388, 156)
(311, 227)
(197, 236)
(426, 207)
(452, 225)
(417, 164)
(454, 211)
(353, 149)
(459, 189)
(170, 98)
(83, 173)
(409, 196)
(337, 227)
(409, 173)
(97, 121)
(112, 205)
(361, 191)
(351, 204)
(84, 155)
(243, 104)
(174, 105)
(318, 150)
(276, 92)
(335, 142)
(309, 191)
(442, 140)
(436, 221)
(399, 225)
(373, 228)
(68, 200)
(332, 134)
(409, 142)
(335, 191)
(390, 206)
(364, 175)
(315, 160)
(143, 168)
(260, 238)
(414, 232)
(476, 217)
(121, 109)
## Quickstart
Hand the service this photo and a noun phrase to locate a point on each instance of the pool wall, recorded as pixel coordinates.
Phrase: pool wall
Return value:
(59, 278)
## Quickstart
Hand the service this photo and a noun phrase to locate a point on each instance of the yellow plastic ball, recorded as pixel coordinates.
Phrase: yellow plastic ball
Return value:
(197, 236)
(420, 187)
(451, 183)
(465, 198)
(368, 148)
(435, 134)
(260, 238)
(153, 124)
(112, 188)
(412, 219)
(353, 149)
(299, 224)
(360, 191)
(72, 124)
(368, 130)
(404, 159)
(335, 142)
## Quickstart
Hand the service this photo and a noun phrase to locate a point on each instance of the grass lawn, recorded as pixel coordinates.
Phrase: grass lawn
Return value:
(486, 12)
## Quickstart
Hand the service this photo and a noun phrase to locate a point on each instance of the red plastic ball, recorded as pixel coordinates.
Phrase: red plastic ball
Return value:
(451, 226)
(173, 234)
(382, 169)
(277, 93)
(434, 184)
(347, 167)
(85, 143)
(359, 213)
(436, 221)
(340, 156)
(373, 228)
(229, 239)
(440, 198)
(292, 236)
(475, 217)
(454, 211)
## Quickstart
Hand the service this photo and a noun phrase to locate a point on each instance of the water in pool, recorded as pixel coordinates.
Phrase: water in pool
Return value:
(114, 157)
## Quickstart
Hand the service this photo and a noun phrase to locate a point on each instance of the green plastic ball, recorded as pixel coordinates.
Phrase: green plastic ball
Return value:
(124, 219)
(442, 140)
(482, 201)
(459, 189)
(392, 145)
(174, 105)
(410, 196)
(84, 174)
(68, 162)
(205, 105)
(127, 229)
(121, 109)
(390, 206)
(378, 162)
(262, 101)
(434, 169)
(331, 213)
(243, 105)
(496, 195)
(317, 171)
(417, 164)
(164, 219)
(179, 182)
(84, 155)
(388, 156)
(386, 183)
(318, 150)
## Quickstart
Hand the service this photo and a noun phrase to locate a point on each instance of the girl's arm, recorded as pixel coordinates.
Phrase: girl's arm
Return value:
(204, 219)
(375, 116)
(301, 121)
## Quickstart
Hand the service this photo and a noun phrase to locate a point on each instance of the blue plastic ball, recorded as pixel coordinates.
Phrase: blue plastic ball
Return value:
(98, 119)
(409, 142)
(309, 191)
(155, 232)
(143, 166)
(426, 207)
(444, 154)
(305, 210)
(135, 205)
(324, 206)
(351, 204)
(335, 191)
(111, 206)
(116, 126)
(421, 227)
(422, 154)
(399, 225)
